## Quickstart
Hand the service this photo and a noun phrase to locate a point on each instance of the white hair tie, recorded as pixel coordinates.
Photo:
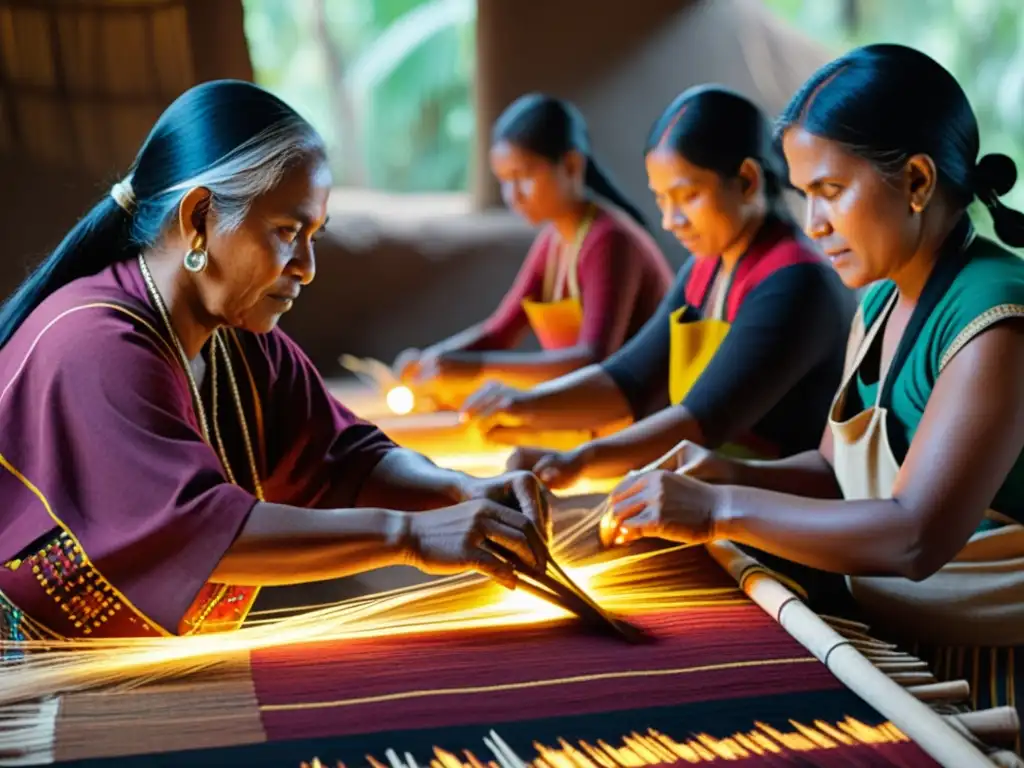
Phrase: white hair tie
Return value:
(124, 195)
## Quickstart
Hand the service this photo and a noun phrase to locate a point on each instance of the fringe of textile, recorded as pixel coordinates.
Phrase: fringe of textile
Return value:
(221, 710)
(30, 733)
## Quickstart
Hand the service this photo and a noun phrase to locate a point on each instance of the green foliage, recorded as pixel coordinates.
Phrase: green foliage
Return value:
(979, 41)
(406, 75)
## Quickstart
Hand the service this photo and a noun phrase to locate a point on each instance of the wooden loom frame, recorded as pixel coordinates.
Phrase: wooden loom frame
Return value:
(944, 738)
(947, 744)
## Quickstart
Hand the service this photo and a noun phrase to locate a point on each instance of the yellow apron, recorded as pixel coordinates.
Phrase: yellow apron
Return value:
(557, 320)
(692, 346)
(975, 600)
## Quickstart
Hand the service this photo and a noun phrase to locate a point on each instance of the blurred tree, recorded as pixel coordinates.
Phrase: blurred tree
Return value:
(388, 83)
(348, 150)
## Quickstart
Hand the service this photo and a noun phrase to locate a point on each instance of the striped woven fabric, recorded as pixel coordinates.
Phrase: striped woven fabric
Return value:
(719, 683)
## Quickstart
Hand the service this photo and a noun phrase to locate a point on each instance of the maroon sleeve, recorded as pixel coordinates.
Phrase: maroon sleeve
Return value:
(504, 328)
(100, 431)
(610, 280)
(319, 451)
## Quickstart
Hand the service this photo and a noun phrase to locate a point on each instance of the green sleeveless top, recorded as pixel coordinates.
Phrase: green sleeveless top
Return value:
(969, 291)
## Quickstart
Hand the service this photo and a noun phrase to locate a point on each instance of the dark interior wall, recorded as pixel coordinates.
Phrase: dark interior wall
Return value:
(394, 275)
(81, 84)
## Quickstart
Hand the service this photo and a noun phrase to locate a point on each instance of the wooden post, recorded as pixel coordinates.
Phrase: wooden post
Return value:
(216, 30)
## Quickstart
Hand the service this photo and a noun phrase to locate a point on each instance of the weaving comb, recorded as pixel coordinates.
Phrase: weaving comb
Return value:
(554, 586)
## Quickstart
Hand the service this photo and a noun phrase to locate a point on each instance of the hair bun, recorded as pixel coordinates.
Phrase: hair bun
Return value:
(996, 174)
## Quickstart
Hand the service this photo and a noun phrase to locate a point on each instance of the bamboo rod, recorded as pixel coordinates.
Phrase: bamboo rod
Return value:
(928, 729)
(951, 690)
(999, 725)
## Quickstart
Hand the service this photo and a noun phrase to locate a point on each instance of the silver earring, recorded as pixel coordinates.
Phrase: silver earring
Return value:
(196, 259)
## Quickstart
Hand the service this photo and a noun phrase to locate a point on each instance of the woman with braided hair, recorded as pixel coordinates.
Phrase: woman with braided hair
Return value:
(916, 491)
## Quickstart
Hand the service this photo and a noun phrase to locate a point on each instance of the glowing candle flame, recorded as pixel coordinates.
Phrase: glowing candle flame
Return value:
(400, 400)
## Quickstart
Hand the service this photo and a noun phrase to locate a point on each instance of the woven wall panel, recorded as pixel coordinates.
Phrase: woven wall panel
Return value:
(82, 81)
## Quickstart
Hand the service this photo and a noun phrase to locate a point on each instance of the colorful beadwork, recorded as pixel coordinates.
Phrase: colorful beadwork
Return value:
(11, 630)
(218, 608)
(63, 572)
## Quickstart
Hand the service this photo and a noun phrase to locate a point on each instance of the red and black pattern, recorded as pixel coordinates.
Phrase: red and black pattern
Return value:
(715, 680)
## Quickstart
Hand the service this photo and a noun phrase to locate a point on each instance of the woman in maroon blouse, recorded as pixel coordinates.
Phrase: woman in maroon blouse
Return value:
(166, 449)
(593, 277)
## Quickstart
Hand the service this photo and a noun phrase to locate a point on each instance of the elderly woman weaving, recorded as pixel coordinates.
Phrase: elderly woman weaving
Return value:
(166, 449)
(916, 492)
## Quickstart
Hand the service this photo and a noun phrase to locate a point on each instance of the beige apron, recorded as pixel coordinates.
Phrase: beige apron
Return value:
(975, 600)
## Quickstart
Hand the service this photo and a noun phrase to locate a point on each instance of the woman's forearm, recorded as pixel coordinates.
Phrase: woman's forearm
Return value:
(407, 480)
(803, 474)
(524, 369)
(585, 399)
(281, 545)
(639, 444)
(472, 336)
(857, 538)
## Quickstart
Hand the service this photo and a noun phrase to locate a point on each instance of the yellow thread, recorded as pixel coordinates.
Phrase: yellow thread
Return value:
(975, 662)
(534, 684)
(993, 678)
(261, 439)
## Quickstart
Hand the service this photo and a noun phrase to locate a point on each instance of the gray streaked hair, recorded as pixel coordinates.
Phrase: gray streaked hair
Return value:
(252, 169)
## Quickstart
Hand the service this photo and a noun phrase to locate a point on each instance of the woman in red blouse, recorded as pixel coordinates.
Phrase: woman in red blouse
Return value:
(593, 277)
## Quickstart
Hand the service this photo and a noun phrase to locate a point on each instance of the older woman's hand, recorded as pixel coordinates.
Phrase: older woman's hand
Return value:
(456, 539)
(663, 505)
(517, 490)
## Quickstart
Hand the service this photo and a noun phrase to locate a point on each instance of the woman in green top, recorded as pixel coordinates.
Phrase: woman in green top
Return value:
(916, 492)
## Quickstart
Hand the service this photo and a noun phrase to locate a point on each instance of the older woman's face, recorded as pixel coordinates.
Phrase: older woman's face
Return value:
(860, 218)
(257, 270)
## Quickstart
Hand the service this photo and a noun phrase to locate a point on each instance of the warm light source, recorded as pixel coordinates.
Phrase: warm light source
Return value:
(400, 400)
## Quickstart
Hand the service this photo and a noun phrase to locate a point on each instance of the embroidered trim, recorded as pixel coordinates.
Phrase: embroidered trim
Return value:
(63, 572)
(17, 628)
(983, 321)
(11, 630)
(66, 532)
